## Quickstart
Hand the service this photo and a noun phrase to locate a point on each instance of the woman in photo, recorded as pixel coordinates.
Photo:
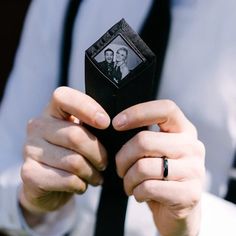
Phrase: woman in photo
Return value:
(121, 69)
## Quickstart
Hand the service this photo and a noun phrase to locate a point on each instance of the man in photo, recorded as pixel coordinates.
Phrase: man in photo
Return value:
(107, 66)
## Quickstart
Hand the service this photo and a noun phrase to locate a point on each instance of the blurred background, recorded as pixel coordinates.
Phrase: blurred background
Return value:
(12, 14)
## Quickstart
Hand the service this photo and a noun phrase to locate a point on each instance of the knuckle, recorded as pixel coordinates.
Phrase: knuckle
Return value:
(193, 130)
(120, 169)
(192, 197)
(142, 141)
(127, 186)
(195, 195)
(137, 194)
(186, 203)
(170, 105)
(32, 149)
(74, 136)
(33, 124)
(95, 180)
(26, 173)
(101, 163)
(74, 163)
(119, 160)
(146, 186)
(26, 151)
(181, 214)
(140, 169)
(143, 191)
(202, 174)
(201, 149)
(74, 184)
(138, 198)
(30, 126)
(193, 146)
(196, 170)
(57, 94)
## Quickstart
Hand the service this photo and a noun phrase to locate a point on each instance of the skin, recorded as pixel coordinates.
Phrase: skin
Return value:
(121, 56)
(62, 158)
(109, 55)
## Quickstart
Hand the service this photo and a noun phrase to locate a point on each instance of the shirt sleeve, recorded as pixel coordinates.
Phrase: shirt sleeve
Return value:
(218, 216)
(56, 223)
(29, 88)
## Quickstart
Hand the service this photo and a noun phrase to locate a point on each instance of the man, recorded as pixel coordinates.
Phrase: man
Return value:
(62, 158)
(107, 66)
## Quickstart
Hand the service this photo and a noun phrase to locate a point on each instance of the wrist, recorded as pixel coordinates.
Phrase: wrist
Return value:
(193, 222)
(35, 221)
(30, 218)
(187, 226)
(32, 215)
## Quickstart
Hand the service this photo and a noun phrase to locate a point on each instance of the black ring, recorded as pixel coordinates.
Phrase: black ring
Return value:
(165, 168)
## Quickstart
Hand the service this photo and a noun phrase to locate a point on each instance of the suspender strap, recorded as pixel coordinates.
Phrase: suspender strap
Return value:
(66, 42)
(231, 193)
(155, 33)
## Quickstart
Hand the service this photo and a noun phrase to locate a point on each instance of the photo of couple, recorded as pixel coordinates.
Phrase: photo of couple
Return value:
(117, 60)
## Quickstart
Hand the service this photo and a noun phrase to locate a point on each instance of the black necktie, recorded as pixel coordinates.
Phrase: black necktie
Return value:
(113, 201)
(231, 192)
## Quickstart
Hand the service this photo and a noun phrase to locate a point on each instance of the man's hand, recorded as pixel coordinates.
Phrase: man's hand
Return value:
(61, 156)
(175, 203)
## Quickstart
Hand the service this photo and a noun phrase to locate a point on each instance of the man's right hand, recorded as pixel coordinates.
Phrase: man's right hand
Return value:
(60, 156)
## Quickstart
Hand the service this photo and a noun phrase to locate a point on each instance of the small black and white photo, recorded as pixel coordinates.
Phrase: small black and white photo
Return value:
(117, 59)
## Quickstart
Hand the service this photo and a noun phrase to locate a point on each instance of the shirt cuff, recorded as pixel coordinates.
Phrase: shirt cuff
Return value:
(56, 223)
(12, 221)
(9, 220)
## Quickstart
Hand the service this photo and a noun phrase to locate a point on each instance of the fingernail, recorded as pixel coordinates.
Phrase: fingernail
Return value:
(101, 119)
(120, 120)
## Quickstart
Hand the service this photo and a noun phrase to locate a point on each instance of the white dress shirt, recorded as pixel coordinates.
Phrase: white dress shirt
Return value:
(199, 75)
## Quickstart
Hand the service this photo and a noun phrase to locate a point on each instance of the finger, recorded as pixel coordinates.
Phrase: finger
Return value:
(152, 169)
(67, 101)
(63, 159)
(71, 136)
(45, 178)
(165, 113)
(158, 144)
(169, 193)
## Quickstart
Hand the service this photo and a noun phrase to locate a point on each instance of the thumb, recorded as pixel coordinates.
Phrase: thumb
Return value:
(67, 103)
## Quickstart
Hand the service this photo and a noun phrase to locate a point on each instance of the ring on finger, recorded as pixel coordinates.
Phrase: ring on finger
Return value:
(165, 168)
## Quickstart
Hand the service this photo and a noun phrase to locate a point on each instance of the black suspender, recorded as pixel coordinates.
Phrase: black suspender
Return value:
(231, 192)
(158, 20)
(66, 42)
